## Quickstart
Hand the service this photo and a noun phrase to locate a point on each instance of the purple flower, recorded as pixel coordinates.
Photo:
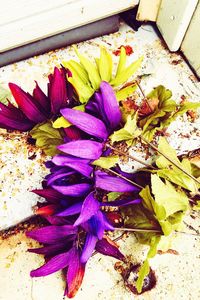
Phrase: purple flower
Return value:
(37, 108)
(102, 116)
(63, 249)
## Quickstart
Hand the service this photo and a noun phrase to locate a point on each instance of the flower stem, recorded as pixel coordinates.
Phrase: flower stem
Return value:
(129, 156)
(169, 159)
(128, 180)
(137, 229)
(152, 230)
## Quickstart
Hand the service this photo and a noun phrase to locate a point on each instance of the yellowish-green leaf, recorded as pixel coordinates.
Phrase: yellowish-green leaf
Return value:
(143, 272)
(197, 207)
(77, 70)
(129, 132)
(168, 171)
(164, 147)
(91, 70)
(105, 65)
(47, 138)
(113, 196)
(61, 122)
(84, 91)
(145, 268)
(122, 61)
(124, 75)
(126, 92)
(167, 197)
(106, 162)
(147, 198)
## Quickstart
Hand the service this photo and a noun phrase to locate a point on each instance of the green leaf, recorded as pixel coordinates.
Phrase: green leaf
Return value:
(4, 95)
(91, 70)
(145, 268)
(168, 198)
(129, 132)
(164, 147)
(47, 138)
(126, 73)
(168, 171)
(126, 92)
(61, 122)
(143, 272)
(147, 198)
(106, 162)
(105, 65)
(113, 196)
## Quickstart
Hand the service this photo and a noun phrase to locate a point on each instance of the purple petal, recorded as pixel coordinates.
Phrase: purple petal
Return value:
(55, 264)
(113, 184)
(40, 96)
(110, 105)
(89, 208)
(83, 148)
(80, 165)
(57, 90)
(12, 118)
(30, 107)
(54, 220)
(72, 210)
(75, 274)
(85, 122)
(97, 225)
(52, 249)
(106, 248)
(51, 234)
(58, 175)
(49, 194)
(121, 202)
(88, 248)
(75, 190)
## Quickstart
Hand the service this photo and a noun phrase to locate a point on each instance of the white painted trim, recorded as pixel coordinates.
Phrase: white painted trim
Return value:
(173, 19)
(148, 10)
(191, 42)
(25, 21)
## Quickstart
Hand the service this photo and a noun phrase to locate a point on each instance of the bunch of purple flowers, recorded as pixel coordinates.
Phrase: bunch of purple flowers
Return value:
(73, 189)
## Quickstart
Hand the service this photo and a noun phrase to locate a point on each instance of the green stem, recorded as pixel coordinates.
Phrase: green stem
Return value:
(129, 156)
(137, 229)
(128, 180)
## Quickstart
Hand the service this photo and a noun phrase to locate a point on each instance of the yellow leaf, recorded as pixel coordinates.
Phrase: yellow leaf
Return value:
(126, 92)
(105, 65)
(122, 61)
(125, 74)
(91, 70)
